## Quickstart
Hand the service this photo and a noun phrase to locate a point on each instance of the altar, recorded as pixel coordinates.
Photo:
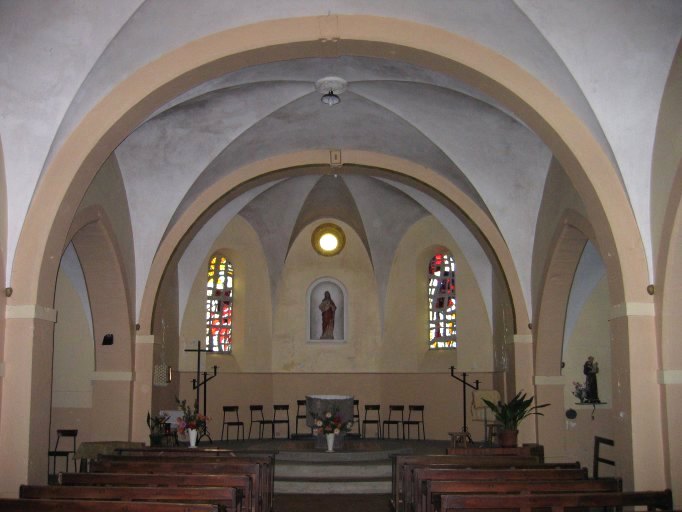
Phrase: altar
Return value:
(318, 405)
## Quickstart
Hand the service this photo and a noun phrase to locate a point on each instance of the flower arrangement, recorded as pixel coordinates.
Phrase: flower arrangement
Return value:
(156, 424)
(579, 391)
(190, 417)
(331, 423)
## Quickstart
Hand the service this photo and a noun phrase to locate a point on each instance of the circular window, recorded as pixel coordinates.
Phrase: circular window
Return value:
(328, 239)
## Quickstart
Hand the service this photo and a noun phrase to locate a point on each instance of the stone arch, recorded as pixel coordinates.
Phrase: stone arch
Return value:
(67, 176)
(566, 248)
(189, 219)
(92, 236)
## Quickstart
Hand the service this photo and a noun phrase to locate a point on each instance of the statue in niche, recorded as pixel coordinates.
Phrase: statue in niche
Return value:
(328, 309)
(590, 369)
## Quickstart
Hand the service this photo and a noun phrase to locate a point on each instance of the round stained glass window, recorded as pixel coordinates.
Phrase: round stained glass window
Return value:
(328, 239)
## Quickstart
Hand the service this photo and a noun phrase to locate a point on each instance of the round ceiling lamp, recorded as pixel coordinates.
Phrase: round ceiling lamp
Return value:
(331, 87)
(328, 239)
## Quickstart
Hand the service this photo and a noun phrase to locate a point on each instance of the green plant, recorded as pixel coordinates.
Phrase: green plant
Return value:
(511, 413)
(156, 423)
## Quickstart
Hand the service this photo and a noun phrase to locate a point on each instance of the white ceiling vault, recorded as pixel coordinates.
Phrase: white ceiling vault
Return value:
(608, 61)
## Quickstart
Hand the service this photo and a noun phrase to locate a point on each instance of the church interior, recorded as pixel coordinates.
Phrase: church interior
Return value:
(167, 170)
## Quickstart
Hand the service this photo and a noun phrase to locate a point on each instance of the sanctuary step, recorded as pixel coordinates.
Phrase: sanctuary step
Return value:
(334, 477)
(342, 472)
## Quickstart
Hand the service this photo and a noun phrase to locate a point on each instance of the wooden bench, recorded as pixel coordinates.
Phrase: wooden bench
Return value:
(527, 450)
(261, 490)
(242, 483)
(420, 475)
(42, 505)
(436, 488)
(401, 479)
(265, 459)
(226, 497)
(653, 500)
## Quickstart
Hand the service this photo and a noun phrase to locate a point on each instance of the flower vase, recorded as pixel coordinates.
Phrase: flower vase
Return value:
(192, 437)
(330, 441)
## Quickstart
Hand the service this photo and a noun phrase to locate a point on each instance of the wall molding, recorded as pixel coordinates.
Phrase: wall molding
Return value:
(31, 311)
(632, 309)
(112, 376)
(670, 376)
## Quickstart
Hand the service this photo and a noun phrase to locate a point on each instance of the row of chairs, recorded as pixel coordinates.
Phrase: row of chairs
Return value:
(372, 417)
(396, 418)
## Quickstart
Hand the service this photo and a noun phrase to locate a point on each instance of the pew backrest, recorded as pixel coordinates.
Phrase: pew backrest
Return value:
(242, 483)
(261, 492)
(402, 478)
(224, 496)
(433, 488)
(653, 500)
(44, 505)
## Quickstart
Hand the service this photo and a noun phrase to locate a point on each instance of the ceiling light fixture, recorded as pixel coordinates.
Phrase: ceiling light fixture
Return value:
(330, 87)
(330, 98)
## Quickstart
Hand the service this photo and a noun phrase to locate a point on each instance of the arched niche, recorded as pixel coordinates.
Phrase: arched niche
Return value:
(315, 296)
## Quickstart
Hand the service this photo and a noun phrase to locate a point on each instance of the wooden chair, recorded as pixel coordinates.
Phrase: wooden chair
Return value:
(64, 433)
(258, 418)
(301, 414)
(280, 416)
(231, 419)
(356, 418)
(418, 420)
(372, 417)
(396, 417)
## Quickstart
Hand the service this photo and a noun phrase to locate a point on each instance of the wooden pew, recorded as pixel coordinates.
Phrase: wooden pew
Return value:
(653, 500)
(225, 497)
(420, 475)
(266, 460)
(527, 450)
(242, 483)
(40, 505)
(261, 493)
(401, 479)
(436, 488)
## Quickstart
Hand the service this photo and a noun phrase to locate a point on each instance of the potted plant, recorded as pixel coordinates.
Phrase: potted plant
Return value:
(510, 414)
(157, 425)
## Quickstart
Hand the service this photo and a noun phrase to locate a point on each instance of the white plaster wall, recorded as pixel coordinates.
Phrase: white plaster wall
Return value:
(588, 275)
(53, 48)
(619, 52)
(74, 350)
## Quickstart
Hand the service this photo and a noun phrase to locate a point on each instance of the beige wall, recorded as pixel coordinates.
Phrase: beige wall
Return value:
(274, 362)
(73, 363)
(439, 392)
(591, 336)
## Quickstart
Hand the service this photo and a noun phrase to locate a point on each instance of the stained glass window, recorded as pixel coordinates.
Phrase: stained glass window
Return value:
(442, 302)
(219, 305)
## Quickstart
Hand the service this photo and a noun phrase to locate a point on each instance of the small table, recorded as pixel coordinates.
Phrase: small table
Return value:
(317, 405)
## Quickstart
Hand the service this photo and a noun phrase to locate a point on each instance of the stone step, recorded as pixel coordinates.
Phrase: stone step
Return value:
(356, 470)
(329, 473)
(332, 486)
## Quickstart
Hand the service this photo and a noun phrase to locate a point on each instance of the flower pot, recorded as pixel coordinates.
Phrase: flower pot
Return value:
(508, 438)
(330, 441)
(156, 439)
(192, 433)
